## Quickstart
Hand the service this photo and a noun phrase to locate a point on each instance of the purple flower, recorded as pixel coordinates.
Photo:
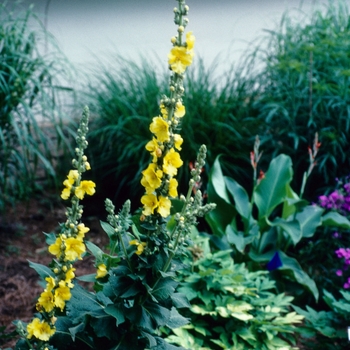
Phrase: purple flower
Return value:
(339, 273)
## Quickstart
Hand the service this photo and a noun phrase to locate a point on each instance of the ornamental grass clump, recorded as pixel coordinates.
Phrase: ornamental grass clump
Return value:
(134, 284)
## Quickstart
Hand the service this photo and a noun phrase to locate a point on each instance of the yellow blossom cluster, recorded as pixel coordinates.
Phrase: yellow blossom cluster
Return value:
(84, 186)
(158, 178)
(180, 57)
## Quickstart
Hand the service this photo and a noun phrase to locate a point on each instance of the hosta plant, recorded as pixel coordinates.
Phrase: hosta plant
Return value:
(232, 308)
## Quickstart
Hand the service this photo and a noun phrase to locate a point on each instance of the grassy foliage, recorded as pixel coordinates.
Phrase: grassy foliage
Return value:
(122, 100)
(30, 129)
(304, 89)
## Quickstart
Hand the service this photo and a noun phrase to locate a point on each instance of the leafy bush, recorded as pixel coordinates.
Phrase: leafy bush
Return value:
(232, 308)
(304, 89)
(31, 131)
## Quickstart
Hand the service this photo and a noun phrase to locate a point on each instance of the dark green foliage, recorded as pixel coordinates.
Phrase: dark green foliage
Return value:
(304, 88)
(124, 101)
(30, 130)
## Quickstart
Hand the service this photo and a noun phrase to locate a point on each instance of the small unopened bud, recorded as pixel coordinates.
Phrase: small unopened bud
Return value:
(181, 29)
(173, 40)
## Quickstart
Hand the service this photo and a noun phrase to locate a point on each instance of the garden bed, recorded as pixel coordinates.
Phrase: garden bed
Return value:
(22, 239)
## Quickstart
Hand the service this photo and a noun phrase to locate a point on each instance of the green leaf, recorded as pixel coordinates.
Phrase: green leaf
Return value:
(164, 288)
(309, 219)
(334, 219)
(180, 300)
(108, 229)
(42, 270)
(87, 278)
(291, 227)
(293, 268)
(218, 181)
(116, 312)
(272, 189)
(95, 250)
(176, 320)
(240, 197)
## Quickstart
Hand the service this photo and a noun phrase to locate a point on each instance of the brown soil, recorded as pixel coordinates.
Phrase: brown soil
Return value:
(22, 239)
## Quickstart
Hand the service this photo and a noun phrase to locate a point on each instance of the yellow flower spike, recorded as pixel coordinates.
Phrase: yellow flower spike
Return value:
(153, 147)
(172, 162)
(180, 110)
(62, 294)
(160, 128)
(150, 203)
(178, 141)
(40, 330)
(74, 249)
(164, 205)
(56, 248)
(101, 271)
(85, 187)
(152, 177)
(179, 59)
(173, 188)
(46, 300)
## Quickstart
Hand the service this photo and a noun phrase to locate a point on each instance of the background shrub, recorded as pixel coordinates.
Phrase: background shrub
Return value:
(31, 130)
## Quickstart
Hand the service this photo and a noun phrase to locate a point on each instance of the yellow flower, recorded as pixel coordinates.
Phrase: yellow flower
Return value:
(171, 162)
(150, 203)
(87, 187)
(140, 246)
(164, 205)
(82, 229)
(51, 283)
(74, 249)
(173, 188)
(62, 294)
(153, 147)
(160, 128)
(163, 111)
(152, 177)
(190, 39)
(178, 141)
(40, 330)
(46, 300)
(180, 110)
(73, 175)
(69, 276)
(179, 59)
(101, 271)
(56, 248)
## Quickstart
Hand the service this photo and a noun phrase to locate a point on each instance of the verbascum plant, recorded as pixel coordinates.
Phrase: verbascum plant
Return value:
(67, 247)
(135, 281)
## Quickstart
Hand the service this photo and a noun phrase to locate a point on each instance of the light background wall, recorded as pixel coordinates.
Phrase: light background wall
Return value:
(86, 29)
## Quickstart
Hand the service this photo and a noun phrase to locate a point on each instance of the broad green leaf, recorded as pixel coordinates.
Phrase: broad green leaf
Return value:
(164, 288)
(293, 269)
(180, 300)
(160, 314)
(218, 181)
(292, 203)
(272, 189)
(309, 219)
(42, 270)
(87, 278)
(176, 320)
(291, 227)
(334, 219)
(240, 197)
(117, 313)
(224, 212)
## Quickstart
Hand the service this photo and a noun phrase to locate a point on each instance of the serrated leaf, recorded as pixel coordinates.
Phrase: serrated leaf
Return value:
(180, 300)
